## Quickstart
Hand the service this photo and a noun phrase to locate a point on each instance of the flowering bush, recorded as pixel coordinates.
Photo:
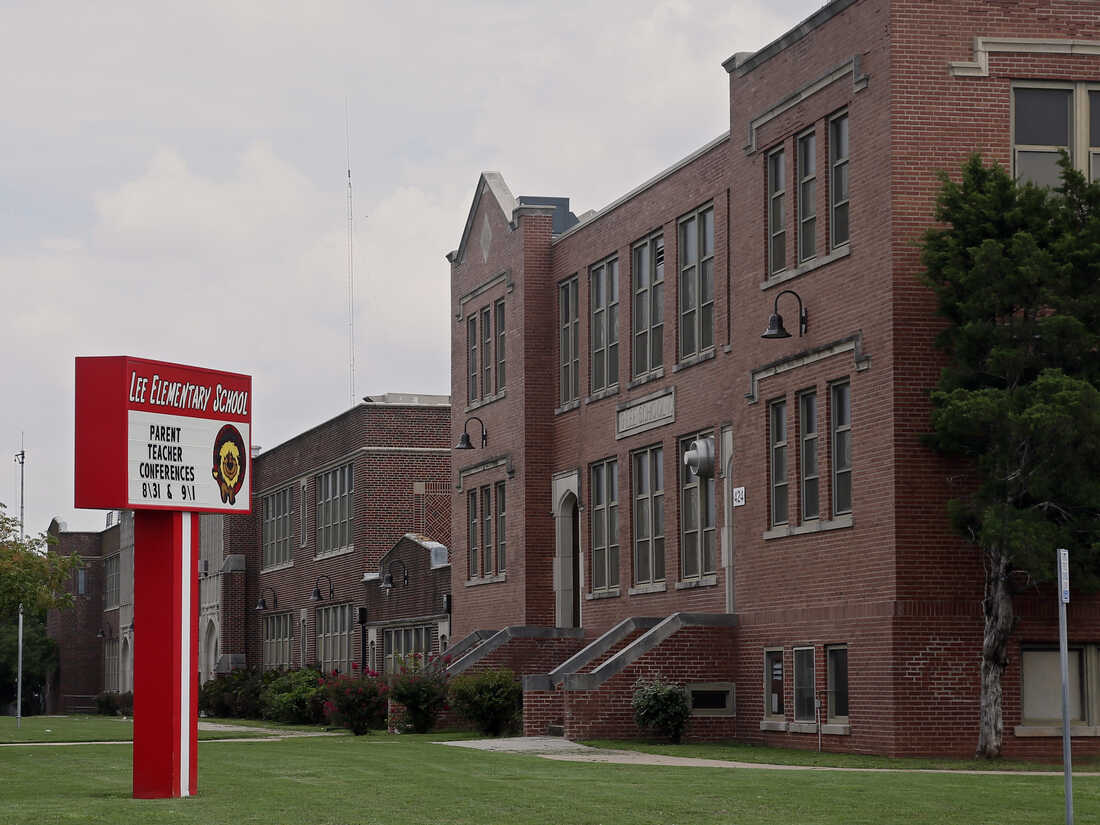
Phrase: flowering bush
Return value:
(421, 686)
(661, 706)
(491, 699)
(357, 703)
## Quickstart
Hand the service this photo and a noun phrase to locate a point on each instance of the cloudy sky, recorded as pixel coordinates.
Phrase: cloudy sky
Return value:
(173, 180)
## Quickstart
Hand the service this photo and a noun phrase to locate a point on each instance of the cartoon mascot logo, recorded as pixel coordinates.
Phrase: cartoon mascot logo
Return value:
(229, 462)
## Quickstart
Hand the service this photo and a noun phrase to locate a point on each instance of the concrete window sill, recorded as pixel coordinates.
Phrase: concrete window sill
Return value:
(1055, 730)
(611, 593)
(599, 395)
(575, 404)
(343, 551)
(276, 567)
(809, 266)
(777, 725)
(502, 577)
(484, 402)
(702, 581)
(653, 375)
(807, 527)
(803, 727)
(836, 729)
(639, 589)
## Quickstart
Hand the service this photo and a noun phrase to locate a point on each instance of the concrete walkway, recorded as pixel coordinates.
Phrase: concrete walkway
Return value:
(562, 750)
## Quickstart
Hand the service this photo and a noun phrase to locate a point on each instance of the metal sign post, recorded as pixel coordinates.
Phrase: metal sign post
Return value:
(19, 678)
(1063, 655)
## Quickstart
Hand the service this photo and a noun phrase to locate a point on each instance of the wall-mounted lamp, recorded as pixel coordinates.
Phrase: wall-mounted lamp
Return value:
(105, 633)
(387, 580)
(447, 603)
(316, 595)
(262, 603)
(775, 323)
(464, 441)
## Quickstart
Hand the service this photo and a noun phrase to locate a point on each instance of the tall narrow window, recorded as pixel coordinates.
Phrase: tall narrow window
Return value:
(302, 514)
(276, 641)
(649, 314)
(110, 581)
(697, 516)
(487, 549)
(501, 555)
(498, 312)
(334, 629)
(838, 682)
(841, 416)
(773, 682)
(471, 533)
(603, 297)
(777, 211)
(838, 190)
(807, 409)
(649, 526)
(696, 282)
(778, 434)
(334, 510)
(487, 365)
(804, 710)
(275, 533)
(569, 341)
(807, 196)
(604, 494)
(471, 360)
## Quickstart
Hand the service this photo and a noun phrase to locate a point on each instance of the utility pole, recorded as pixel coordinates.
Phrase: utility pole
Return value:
(20, 457)
(19, 677)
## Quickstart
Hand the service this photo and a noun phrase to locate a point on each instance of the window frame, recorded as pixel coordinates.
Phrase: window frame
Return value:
(831, 714)
(568, 341)
(806, 181)
(488, 364)
(808, 444)
(836, 470)
(840, 163)
(339, 636)
(603, 494)
(649, 296)
(500, 323)
(653, 499)
(400, 641)
(275, 530)
(771, 655)
(799, 689)
(112, 581)
(488, 548)
(776, 170)
(473, 560)
(276, 647)
(704, 492)
(603, 316)
(777, 446)
(693, 302)
(329, 528)
(473, 370)
(501, 512)
(1083, 153)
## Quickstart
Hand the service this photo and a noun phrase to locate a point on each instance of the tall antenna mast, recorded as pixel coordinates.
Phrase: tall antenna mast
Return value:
(351, 265)
(20, 457)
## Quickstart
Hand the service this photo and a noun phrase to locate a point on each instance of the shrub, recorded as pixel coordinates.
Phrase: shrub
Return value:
(107, 703)
(126, 703)
(294, 696)
(421, 686)
(491, 700)
(234, 694)
(357, 703)
(661, 707)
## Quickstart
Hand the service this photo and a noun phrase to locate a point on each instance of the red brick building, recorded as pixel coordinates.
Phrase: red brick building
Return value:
(809, 558)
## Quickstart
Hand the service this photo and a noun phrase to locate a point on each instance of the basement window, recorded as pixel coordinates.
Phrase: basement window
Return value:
(712, 699)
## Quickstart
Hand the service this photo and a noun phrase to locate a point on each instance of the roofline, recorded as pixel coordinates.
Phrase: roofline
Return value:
(741, 63)
(633, 193)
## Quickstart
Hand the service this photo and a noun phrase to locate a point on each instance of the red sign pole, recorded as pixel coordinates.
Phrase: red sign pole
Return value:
(166, 654)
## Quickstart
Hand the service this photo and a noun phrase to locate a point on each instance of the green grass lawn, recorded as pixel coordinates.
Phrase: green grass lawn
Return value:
(738, 752)
(398, 780)
(79, 728)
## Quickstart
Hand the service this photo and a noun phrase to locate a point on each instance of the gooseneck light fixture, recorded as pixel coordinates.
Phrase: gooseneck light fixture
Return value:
(775, 323)
(262, 603)
(316, 596)
(464, 441)
(387, 580)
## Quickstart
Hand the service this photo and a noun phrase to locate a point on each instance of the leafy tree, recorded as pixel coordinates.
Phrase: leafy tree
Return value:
(36, 579)
(1016, 269)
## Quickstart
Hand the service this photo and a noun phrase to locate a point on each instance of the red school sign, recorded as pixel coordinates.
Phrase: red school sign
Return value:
(168, 441)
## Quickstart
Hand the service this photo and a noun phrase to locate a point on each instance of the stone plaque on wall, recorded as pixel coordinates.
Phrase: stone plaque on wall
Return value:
(646, 413)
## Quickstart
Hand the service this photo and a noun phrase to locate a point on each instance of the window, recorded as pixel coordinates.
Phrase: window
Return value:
(471, 360)
(838, 189)
(604, 494)
(1049, 118)
(402, 642)
(808, 492)
(302, 514)
(777, 212)
(334, 629)
(842, 447)
(487, 364)
(276, 528)
(569, 343)
(804, 710)
(110, 665)
(603, 298)
(697, 516)
(773, 683)
(471, 533)
(837, 661)
(697, 282)
(110, 582)
(498, 312)
(649, 517)
(807, 196)
(711, 699)
(501, 555)
(1042, 686)
(334, 490)
(777, 413)
(81, 581)
(487, 548)
(649, 314)
(276, 647)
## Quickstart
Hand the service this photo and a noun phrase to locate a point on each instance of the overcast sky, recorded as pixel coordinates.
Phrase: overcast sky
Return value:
(173, 181)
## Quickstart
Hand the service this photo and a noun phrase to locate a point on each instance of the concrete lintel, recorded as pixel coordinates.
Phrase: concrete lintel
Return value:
(537, 682)
(233, 563)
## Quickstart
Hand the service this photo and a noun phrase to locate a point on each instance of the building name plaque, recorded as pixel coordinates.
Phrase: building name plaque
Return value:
(646, 413)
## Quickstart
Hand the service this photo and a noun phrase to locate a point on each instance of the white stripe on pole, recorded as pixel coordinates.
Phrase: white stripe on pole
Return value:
(185, 654)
